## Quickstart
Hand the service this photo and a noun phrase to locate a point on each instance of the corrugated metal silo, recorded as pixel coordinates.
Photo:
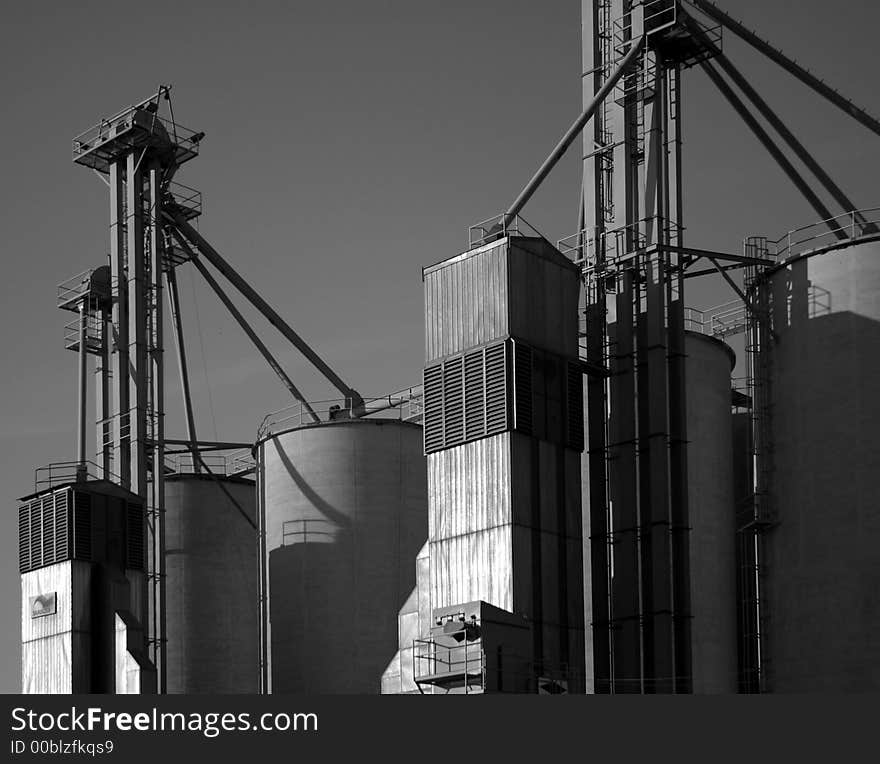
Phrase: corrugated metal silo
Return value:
(712, 514)
(823, 553)
(344, 510)
(212, 592)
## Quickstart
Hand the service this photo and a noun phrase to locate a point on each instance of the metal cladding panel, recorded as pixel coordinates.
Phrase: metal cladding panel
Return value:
(345, 507)
(56, 648)
(57, 665)
(548, 549)
(477, 566)
(544, 291)
(469, 487)
(423, 582)
(212, 605)
(545, 482)
(822, 556)
(519, 287)
(712, 514)
(466, 301)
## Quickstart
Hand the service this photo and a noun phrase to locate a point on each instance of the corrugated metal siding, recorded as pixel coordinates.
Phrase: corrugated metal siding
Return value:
(466, 302)
(544, 289)
(469, 487)
(469, 523)
(473, 567)
(55, 648)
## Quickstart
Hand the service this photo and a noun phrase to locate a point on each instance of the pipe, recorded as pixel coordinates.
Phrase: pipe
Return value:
(211, 254)
(388, 402)
(207, 445)
(81, 469)
(571, 134)
(242, 322)
(177, 326)
(793, 68)
(765, 139)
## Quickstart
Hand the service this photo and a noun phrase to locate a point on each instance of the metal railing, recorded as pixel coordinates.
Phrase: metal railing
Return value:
(817, 235)
(58, 473)
(94, 333)
(584, 247)
(134, 117)
(721, 321)
(234, 463)
(435, 660)
(657, 15)
(498, 227)
(189, 200)
(404, 405)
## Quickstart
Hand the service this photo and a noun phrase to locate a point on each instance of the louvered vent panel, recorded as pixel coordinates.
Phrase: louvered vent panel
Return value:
(453, 402)
(36, 533)
(574, 421)
(496, 388)
(24, 538)
(82, 526)
(134, 537)
(48, 530)
(522, 383)
(62, 526)
(474, 395)
(433, 408)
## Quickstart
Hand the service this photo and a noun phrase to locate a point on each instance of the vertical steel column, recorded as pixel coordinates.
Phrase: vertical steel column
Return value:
(623, 469)
(82, 390)
(646, 439)
(624, 191)
(657, 561)
(596, 521)
(592, 80)
(119, 322)
(157, 410)
(678, 490)
(265, 621)
(137, 373)
(179, 343)
(103, 406)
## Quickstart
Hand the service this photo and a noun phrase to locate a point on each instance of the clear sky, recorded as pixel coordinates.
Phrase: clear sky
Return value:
(349, 143)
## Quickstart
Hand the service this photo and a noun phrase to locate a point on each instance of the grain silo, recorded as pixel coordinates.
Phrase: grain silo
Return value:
(343, 509)
(711, 512)
(212, 605)
(821, 373)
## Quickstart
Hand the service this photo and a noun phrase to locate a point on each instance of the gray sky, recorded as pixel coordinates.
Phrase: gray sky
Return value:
(349, 143)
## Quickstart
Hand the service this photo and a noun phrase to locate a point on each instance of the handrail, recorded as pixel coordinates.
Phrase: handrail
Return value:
(404, 405)
(56, 473)
(854, 224)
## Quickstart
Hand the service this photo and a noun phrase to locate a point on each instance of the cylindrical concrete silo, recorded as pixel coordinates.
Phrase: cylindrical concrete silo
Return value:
(344, 509)
(711, 514)
(823, 554)
(212, 592)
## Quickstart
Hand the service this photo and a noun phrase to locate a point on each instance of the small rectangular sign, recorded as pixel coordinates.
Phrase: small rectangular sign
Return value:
(43, 604)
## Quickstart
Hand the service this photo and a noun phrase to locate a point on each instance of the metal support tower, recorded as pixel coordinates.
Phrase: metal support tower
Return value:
(139, 152)
(634, 261)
